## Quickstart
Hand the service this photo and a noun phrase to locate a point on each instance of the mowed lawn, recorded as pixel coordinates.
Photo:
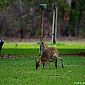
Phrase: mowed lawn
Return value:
(20, 70)
(33, 48)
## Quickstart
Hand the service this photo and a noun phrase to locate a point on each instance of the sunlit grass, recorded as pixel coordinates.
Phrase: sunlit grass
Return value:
(33, 48)
(26, 45)
(20, 45)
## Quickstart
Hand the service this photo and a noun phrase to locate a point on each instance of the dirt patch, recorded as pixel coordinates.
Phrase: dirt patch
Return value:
(81, 54)
(6, 56)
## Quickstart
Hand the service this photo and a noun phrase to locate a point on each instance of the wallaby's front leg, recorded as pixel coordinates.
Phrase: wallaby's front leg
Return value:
(40, 51)
(55, 63)
(62, 63)
(43, 65)
(47, 64)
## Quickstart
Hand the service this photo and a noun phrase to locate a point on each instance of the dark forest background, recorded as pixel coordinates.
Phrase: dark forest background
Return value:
(22, 18)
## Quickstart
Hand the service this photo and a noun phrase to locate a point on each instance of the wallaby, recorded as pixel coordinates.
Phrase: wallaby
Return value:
(49, 54)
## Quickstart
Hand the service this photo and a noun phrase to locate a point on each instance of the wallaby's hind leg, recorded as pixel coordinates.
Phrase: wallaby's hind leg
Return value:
(55, 63)
(62, 63)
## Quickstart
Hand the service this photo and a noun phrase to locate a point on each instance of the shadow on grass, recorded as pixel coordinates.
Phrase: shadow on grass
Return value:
(32, 51)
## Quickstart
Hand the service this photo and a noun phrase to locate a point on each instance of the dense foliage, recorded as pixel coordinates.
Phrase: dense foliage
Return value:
(22, 18)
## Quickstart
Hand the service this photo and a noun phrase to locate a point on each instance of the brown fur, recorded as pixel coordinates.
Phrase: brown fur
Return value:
(49, 53)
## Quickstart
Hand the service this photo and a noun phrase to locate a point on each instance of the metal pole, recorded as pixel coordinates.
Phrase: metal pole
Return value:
(56, 14)
(53, 25)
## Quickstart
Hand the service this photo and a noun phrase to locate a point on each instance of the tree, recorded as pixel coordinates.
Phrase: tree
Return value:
(21, 18)
(4, 3)
(3, 6)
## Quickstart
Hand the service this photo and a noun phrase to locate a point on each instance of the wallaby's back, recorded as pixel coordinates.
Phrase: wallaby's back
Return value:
(49, 53)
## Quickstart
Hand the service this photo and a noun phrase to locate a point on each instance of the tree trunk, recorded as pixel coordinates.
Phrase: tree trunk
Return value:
(21, 19)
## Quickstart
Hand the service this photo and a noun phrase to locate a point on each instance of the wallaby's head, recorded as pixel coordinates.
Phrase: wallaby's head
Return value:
(41, 38)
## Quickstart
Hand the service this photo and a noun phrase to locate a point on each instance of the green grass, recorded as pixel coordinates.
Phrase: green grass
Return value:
(21, 71)
(28, 48)
(27, 45)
